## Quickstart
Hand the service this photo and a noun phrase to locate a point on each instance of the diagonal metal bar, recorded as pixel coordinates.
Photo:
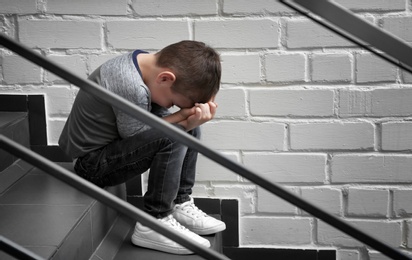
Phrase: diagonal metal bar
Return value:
(17, 250)
(193, 143)
(355, 29)
(103, 196)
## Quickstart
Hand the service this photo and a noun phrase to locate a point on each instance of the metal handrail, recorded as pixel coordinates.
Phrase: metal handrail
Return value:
(180, 136)
(17, 250)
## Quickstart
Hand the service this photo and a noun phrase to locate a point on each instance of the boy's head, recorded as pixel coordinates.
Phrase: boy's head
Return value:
(196, 67)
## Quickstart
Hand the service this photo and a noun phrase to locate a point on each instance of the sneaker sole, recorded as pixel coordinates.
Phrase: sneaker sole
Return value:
(138, 241)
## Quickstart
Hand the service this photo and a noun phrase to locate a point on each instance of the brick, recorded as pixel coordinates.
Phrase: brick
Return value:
(326, 199)
(377, 256)
(231, 103)
(355, 103)
(388, 232)
(245, 193)
(370, 203)
(343, 254)
(18, 70)
(392, 102)
(397, 136)
(402, 202)
(238, 33)
(373, 5)
(17, 7)
(288, 167)
(373, 168)
(176, 7)
(240, 68)
(145, 34)
(399, 26)
(331, 68)
(336, 136)
(60, 34)
(275, 231)
(270, 203)
(409, 234)
(59, 100)
(73, 63)
(319, 37)
(97, 60)
(54, 129)
(245, 7)
(294, 103)
(208, 170)
(96, 7)
(285, 68)
(370, 68)
(244, 135)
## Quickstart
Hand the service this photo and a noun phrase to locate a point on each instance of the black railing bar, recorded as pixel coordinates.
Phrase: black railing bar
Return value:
(193, 143)
(103, 196)
(17, 250)
(356, 30)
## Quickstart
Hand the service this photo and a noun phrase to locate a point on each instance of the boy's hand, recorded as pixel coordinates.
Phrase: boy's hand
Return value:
(198, 115)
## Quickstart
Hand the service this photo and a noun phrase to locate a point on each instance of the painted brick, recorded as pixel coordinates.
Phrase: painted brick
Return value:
(355, 103)
(370, 68)
(285, 68)
(208, 170)
(409, 237)
(399, 26)
(59, 100)
(374, 168)
(336, 136)
(373, 5)
(288, 167)
(377, 256)
(97, 7)
(176, 7)
(397, 136)
(238, 33)
(19, 70)
(402, 202)
(240, 68)
(295, 103)
(17, 7)
(146, 34)
(370, 203)
(347, 254)
(388, 232)
(245, 193)
(270, 203)
(331, 68)
(73, 63)
(318, 37)
(245, 7)
(392, 102)
(244, 135)
(231, 103)
(406, 76)
(275, 231)
(60, 34)
(54, 129)
(326, 199)
(96, 60)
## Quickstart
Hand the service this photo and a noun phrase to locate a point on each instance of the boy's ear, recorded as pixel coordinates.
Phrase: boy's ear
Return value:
(167, 77)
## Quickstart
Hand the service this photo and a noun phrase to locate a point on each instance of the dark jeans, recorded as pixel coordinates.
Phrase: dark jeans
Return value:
(172, 168)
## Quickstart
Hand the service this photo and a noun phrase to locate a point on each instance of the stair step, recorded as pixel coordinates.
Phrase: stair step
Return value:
(14, 125)
(51, 218)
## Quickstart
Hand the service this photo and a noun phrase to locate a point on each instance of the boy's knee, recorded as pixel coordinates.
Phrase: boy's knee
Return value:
(195, 132)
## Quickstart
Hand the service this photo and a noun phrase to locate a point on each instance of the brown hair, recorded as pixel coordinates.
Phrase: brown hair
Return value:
(196, 66)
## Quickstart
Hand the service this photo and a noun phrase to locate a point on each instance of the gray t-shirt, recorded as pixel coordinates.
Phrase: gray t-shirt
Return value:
(93, 123)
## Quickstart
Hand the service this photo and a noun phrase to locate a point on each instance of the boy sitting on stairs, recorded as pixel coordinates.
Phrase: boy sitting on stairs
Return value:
(109, 147)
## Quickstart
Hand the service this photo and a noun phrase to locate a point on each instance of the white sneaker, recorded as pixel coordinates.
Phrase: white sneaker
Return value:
(196, 220)
(146, 237)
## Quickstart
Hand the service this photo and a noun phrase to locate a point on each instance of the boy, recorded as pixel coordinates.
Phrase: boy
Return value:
(109, 147)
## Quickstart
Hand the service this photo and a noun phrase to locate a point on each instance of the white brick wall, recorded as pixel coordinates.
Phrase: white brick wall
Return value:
(298, 105)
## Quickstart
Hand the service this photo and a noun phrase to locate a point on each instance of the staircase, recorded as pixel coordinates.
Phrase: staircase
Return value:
(56, 221)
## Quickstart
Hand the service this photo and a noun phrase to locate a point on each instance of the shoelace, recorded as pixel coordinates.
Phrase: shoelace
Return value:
(172, 222)
(191, 208)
